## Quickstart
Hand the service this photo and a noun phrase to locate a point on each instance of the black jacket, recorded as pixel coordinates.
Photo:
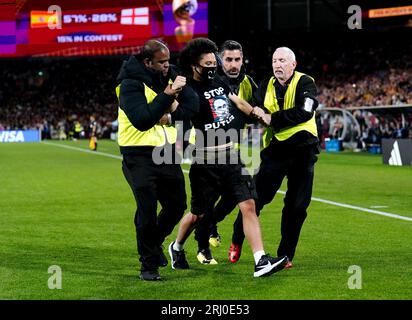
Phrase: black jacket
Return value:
(294, 116)
(143, 116)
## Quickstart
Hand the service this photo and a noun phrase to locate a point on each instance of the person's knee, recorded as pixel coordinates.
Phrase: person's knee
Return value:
(144, 224)
(298, 211)
(248, 208)
(195, 218)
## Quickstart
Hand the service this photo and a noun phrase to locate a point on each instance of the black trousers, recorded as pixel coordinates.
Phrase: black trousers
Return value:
(224, 207)
(297, 165)
(151, 184)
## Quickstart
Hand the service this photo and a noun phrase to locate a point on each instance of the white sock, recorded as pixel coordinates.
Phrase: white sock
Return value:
(257, 255)
(177, 246)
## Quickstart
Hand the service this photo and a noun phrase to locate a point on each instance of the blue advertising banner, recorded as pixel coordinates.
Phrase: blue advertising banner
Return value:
(20, 136)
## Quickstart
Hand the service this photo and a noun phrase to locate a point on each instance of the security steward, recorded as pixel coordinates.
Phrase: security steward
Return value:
(151, 97)
(291, 147)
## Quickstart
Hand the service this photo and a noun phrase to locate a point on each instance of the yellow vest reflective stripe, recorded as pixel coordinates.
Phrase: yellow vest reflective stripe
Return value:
(192, 137)
(245, 93)
(129, 136)
(271, 104)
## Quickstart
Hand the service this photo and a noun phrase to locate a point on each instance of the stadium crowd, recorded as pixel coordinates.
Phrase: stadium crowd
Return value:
(52, 94)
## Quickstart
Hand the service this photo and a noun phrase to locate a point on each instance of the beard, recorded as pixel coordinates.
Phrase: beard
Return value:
(233, 74)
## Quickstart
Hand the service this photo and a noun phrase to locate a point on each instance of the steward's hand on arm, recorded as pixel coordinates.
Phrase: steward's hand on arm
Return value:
(254, 113)
(305, 106)
(141, 114)
(176, 86)
(260, 114)
(165, 119)
(187, 107)
(241, 104)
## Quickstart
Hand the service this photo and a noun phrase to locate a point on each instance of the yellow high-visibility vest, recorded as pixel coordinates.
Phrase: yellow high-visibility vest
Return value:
(245, 89)
(129, 136)
(77, 127)
(271, 104)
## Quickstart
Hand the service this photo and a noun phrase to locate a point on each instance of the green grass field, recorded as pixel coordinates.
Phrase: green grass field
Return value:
(60, 206)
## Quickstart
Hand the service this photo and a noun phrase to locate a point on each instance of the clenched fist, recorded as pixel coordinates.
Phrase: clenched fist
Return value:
(179, 83)
(176, 86)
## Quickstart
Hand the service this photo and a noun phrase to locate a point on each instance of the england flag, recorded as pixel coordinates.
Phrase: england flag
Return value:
(136, 16)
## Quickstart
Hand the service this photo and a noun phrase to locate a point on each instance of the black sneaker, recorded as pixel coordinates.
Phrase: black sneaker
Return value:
(162, 258)
(177, 258)
(150, 275)
(268, 265)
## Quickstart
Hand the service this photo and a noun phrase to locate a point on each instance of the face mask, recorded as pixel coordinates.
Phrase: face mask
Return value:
(208, 73)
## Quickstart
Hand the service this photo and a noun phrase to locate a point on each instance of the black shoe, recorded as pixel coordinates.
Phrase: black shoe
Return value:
(162, 258)
(268, 265)
(150, 275)
(178, 258)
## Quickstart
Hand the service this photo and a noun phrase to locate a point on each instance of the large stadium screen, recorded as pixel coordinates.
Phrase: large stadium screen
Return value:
(97, 27)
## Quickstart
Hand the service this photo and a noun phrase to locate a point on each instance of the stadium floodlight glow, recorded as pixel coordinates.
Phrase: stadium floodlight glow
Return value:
(390, 12)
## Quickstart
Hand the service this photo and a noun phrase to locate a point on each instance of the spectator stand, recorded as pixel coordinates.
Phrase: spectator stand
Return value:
(382, 122)
(338, 129)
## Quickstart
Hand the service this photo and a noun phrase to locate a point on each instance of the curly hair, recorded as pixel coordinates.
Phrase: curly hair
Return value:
(193, 52)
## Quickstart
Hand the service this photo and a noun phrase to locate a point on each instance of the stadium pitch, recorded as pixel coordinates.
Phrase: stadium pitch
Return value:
(63, 206)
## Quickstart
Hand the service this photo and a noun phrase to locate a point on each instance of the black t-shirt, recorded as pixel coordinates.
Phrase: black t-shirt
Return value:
(217, 114)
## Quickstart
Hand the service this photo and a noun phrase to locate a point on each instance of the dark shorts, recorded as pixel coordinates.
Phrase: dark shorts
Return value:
(208, 182)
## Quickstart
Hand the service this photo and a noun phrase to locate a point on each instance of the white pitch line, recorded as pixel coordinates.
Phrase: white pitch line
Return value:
(338, 204)
(83, 150)
(349, 206)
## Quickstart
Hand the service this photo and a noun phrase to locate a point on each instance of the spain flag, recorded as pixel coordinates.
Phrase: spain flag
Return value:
(41, 19)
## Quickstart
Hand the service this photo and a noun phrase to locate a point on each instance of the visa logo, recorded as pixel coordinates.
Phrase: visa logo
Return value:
(11, 136)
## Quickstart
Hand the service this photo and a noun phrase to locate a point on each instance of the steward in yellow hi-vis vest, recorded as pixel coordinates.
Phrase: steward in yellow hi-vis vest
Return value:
(302, 118)
(143, 103)
(151, 97)
(290, 147)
